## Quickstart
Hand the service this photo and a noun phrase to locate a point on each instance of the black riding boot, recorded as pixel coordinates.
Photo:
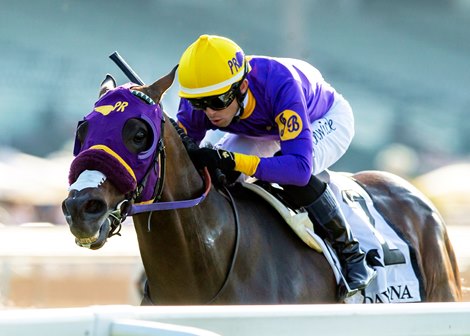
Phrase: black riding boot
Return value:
(326, 213)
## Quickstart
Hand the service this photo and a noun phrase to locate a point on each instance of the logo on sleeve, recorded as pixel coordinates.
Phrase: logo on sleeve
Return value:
(289, 123)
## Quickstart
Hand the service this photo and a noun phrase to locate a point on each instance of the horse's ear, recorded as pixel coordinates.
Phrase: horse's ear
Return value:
(107, 84)
(158, 88)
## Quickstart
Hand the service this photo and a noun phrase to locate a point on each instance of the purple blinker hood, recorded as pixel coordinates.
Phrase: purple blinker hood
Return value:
(103, 148)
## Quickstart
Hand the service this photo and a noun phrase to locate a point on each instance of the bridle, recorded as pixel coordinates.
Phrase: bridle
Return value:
(128, 208)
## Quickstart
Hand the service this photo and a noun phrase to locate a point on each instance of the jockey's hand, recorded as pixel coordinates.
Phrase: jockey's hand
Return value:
(212, 159)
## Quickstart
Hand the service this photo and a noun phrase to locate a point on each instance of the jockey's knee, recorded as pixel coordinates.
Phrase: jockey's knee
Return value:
(301, 196)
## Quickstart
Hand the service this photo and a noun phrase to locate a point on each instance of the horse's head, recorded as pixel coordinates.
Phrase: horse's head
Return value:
(117, 149)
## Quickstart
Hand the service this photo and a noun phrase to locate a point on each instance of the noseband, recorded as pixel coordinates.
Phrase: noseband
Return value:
(116, 217)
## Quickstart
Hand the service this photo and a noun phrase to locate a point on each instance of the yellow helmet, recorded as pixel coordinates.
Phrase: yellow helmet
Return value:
(210, 66)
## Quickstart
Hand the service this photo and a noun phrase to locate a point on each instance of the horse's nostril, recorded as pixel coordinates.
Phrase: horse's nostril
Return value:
(94, 207)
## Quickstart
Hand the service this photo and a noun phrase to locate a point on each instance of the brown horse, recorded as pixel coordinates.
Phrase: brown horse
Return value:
(213, 250)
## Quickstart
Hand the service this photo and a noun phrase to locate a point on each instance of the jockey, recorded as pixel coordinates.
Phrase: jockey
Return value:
(284, 124)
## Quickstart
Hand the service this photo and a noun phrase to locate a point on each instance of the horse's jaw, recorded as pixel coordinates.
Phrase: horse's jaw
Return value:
(96, 241)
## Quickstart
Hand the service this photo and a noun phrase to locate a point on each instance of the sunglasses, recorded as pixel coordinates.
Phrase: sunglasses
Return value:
(219, 102)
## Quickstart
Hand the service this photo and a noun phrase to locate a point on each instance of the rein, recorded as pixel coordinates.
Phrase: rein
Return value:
(158, 206)
(235, 249)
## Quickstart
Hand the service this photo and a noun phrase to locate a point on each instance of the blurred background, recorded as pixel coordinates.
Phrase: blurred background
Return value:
(403, 65)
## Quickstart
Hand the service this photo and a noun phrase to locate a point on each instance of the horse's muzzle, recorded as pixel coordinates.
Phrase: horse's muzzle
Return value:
(87, 218)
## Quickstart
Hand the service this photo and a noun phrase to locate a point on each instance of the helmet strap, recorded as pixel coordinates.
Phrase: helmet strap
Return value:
(240, 97)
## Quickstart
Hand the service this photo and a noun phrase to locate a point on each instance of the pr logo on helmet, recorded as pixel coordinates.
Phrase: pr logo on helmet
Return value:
(236, 62)
(289, 124)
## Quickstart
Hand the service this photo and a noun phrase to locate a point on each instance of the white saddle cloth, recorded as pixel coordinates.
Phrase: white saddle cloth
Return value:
(398, 277)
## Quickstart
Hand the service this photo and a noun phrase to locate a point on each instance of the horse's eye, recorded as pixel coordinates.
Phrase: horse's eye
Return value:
(80, 136)
(136, 135)
(140, 136)
(82, 130)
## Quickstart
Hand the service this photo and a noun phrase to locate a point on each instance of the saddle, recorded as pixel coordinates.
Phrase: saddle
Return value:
(297, 219)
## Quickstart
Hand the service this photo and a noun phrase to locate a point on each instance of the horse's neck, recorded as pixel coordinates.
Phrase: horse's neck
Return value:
(183, 241)
(182, 180)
